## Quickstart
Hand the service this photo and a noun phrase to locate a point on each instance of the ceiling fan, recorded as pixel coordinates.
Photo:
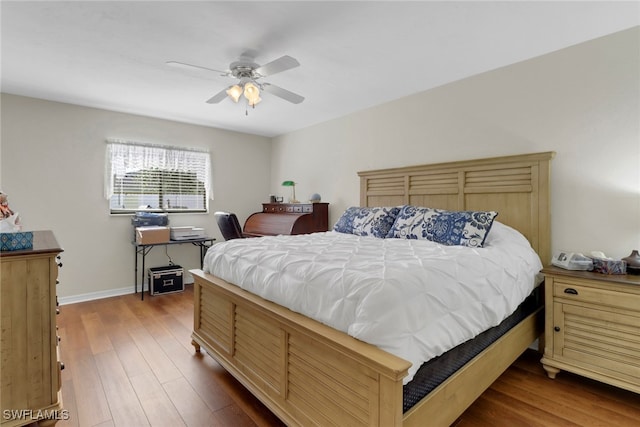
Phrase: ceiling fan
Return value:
(249, 75)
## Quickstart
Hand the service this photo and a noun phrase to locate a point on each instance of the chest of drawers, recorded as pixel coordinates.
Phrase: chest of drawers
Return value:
(30, 365)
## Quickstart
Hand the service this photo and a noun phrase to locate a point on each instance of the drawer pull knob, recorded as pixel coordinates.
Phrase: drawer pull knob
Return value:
(570, 291)
(556, 328)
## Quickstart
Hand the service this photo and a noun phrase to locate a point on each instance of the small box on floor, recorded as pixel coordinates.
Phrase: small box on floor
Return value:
(163, 280)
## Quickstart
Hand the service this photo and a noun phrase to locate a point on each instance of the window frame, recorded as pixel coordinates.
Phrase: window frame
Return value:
(166, 167)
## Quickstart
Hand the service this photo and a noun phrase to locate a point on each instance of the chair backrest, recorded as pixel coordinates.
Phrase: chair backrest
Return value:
(229, 225)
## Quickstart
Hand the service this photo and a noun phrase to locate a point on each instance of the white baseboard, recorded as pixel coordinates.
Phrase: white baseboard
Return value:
(95, 295)
(91, 296)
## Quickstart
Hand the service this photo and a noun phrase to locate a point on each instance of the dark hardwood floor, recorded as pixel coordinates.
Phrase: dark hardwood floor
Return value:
(130, 363)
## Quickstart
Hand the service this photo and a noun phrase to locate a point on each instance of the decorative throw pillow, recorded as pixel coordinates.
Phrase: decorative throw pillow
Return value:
(464, 228)
(376, 221)
(345, 223)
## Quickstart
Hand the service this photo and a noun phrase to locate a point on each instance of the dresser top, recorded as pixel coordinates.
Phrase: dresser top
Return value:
(43, 242)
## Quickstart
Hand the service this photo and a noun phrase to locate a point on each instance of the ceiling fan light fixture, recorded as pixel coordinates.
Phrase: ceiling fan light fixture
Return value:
(234, 92)
(251, 91)
(254, 101)
(249, 73)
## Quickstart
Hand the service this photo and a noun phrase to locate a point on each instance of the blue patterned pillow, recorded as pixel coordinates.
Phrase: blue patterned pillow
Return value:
(464, 228)
(374, 222)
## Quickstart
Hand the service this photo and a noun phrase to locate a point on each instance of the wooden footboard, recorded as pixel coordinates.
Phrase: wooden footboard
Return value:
(305, 372)
(310, 374)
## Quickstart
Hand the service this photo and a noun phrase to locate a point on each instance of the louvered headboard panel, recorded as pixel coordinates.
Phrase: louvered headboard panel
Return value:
(517, 187)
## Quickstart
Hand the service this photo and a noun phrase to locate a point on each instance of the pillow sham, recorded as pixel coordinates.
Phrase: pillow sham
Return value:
(374, 221)
(463, 228)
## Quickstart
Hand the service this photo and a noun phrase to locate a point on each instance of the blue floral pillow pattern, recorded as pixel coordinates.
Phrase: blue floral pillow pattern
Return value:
(374, 222)
(464, 228)
(345, 223)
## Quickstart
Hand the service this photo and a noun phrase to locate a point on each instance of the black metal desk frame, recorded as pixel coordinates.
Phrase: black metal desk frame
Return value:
(203, 243)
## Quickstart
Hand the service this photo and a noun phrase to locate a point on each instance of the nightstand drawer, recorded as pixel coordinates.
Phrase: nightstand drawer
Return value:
(600, 296)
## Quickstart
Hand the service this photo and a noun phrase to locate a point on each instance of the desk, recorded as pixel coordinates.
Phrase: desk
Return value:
(287, 218)
(203, 243)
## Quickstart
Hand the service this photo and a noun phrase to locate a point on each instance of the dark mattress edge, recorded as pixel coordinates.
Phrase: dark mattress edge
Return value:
(434, 372)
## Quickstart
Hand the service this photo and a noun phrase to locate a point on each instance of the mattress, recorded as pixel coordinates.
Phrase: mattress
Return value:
(435, 371)
(413, 298)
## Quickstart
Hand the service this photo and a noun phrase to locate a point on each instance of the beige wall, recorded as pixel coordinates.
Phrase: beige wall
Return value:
(582, 102)
(53, 168)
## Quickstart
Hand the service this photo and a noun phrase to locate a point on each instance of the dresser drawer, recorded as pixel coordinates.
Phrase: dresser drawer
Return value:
(602, 296)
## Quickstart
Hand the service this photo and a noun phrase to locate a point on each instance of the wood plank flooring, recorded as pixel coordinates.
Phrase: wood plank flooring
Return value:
(130, 363)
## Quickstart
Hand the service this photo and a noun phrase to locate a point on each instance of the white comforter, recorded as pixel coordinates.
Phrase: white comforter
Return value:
(413, 298)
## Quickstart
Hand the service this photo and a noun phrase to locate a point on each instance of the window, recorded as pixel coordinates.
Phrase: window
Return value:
(156, 178)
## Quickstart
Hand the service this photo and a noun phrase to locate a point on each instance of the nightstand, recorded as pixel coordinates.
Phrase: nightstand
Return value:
(592, 326)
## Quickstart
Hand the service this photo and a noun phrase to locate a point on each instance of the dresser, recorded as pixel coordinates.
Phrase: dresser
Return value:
(592, 326)
(30, 365)
(287, 218)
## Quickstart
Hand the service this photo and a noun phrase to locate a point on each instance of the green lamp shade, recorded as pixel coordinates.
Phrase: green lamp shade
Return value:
(288, 183)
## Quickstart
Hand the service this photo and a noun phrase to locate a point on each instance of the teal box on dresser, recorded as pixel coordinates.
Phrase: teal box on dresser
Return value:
(16, 241)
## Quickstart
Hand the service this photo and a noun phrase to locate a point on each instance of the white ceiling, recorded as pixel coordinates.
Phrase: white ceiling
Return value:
(353, 55)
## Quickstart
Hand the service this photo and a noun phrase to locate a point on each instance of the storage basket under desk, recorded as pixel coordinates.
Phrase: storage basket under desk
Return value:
(167, 279)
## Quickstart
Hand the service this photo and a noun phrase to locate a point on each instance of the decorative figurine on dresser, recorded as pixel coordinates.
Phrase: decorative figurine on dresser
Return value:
(287, 218)
(30, 369)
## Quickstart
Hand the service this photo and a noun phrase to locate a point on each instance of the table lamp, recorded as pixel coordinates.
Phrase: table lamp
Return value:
(293, 187)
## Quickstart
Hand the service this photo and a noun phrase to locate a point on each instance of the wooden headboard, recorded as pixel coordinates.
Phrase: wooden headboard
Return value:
(517, 187)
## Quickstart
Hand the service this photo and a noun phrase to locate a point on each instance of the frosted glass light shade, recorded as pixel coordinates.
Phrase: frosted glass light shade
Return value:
(234, 92)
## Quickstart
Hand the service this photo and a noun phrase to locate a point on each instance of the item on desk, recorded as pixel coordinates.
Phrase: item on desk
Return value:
(293, 189)
(186, 233)
(152, 235)
(606, 265)
(315, 198)
(572, 261)
(143, 219)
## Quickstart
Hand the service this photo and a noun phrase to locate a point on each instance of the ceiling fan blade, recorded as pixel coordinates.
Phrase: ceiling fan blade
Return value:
(217, 97)
(282, 93)
(278, 65)
(186, 66)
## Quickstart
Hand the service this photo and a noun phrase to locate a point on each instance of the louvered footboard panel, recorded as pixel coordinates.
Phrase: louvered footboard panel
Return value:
(260, 349)
(215, 320)
(327, 388)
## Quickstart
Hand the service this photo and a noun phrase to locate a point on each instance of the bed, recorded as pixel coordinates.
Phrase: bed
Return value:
(308, 373)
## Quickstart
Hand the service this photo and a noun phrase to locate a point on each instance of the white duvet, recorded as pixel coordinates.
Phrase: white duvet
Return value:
(413, 298)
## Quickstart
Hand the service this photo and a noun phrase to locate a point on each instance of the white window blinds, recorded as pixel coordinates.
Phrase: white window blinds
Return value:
(156, 178)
